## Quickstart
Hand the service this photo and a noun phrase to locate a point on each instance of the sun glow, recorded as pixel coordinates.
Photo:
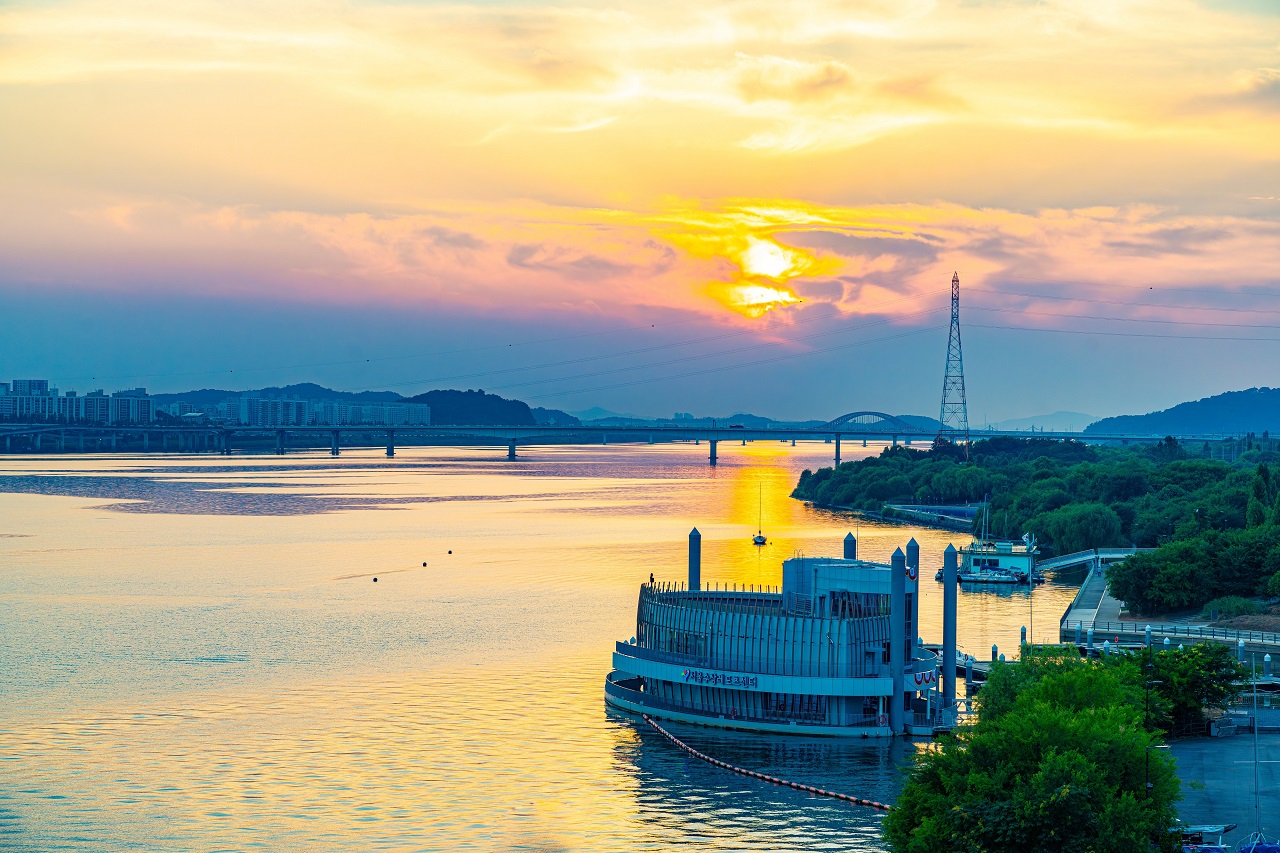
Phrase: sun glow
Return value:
(766, 258)
(755, 300)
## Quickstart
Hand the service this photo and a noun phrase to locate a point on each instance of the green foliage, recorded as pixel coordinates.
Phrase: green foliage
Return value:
(1217, 526)
(1055, 762)
(1192, 680)
(1077, 527)
(1193, 572)
(1135, 496)
(1231, 606)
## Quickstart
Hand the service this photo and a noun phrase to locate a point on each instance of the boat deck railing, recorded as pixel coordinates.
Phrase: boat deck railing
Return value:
(617, 690)
(781, 666)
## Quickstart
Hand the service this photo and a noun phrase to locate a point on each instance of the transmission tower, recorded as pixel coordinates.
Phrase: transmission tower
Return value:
(954, 416)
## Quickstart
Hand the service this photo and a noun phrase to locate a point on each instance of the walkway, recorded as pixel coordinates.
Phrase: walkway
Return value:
(1094, 607)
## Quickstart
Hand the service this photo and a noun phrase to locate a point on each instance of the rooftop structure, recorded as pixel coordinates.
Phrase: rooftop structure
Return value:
(833, 651)
(991, 561)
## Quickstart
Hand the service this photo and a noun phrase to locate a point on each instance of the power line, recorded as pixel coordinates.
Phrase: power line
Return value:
(1118, 302)
(1256, 291)
(1118, 319)
(1120, 334)
(655, 348)
(735, 366)
(686, 359)
(373, 359)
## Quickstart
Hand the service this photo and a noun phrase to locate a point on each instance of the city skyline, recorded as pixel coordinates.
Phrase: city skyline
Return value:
(391, 195)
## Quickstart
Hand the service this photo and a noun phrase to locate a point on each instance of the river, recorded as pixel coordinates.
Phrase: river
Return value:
(194, 654)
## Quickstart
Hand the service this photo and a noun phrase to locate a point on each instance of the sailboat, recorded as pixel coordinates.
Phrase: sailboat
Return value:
(759, 539)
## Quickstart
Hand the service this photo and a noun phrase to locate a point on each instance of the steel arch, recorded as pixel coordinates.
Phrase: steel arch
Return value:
(889, 422)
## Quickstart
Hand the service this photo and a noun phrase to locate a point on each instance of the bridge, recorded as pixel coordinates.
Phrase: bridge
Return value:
(865, 426)
(1095, 558)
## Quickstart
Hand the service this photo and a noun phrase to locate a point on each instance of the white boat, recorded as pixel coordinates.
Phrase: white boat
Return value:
(983, 575)
(986, 560)
(760, 539)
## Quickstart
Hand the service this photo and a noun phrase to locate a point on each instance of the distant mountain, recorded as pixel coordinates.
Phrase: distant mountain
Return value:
(303, 391)
(1056, 422)
(1255, 410)
(554, 417)
(922, 422)
(474, 408)
(595, 413)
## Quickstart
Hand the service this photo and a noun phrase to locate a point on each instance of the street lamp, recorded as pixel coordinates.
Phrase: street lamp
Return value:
(1146, 716)
(1149, 748)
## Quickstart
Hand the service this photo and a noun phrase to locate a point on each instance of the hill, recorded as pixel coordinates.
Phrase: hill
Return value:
(1256, 410)
(302, 390)
(474, 408)
(1063, 421)
(554, 417)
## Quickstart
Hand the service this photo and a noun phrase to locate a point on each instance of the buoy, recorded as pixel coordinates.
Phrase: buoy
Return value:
(450, 552)
(375, 580)
(424, 565)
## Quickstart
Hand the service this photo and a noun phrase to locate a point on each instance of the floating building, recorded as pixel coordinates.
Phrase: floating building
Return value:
(834, 651)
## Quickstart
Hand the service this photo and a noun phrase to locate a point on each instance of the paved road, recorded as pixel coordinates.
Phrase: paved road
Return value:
(1225, 767)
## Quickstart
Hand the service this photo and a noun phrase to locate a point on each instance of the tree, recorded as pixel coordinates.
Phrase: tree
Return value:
(1055, 762)
(1202, 677)
(1079, 527)
(1256, 514)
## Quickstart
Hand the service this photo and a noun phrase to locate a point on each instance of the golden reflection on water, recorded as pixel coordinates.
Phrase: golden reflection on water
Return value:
(195, 655)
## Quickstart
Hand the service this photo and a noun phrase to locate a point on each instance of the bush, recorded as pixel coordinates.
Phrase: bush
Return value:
(1231, 606)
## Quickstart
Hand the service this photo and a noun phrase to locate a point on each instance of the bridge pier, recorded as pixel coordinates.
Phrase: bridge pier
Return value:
(511, 448)
(793, 442)
(895, 441)
(62, 442)
(391, 444)
(333, 443)
(713, 442)
(113, 442)
(279, 442)
(9, 447)
(146, 441)
(79, 435)
(226, 443)
(38, 437)
(837, 450)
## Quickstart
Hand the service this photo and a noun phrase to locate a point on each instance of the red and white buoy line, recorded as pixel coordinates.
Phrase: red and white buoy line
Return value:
(819, 792)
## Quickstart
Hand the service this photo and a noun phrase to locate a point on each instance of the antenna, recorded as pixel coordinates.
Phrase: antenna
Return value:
(954, 415)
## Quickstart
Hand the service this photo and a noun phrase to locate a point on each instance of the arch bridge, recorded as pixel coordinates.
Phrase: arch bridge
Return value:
(872, 421)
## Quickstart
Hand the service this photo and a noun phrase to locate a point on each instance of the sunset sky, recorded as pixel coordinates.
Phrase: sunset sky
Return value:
(651, 207)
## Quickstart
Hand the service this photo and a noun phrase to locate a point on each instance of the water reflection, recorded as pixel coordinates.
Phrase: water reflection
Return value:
(685, 798)
(194, 655)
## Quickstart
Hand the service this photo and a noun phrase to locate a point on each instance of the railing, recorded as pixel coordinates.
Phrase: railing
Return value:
(927, 662)
(766, 666)
(1112, 554)
(1166, 630)
(648, 700)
